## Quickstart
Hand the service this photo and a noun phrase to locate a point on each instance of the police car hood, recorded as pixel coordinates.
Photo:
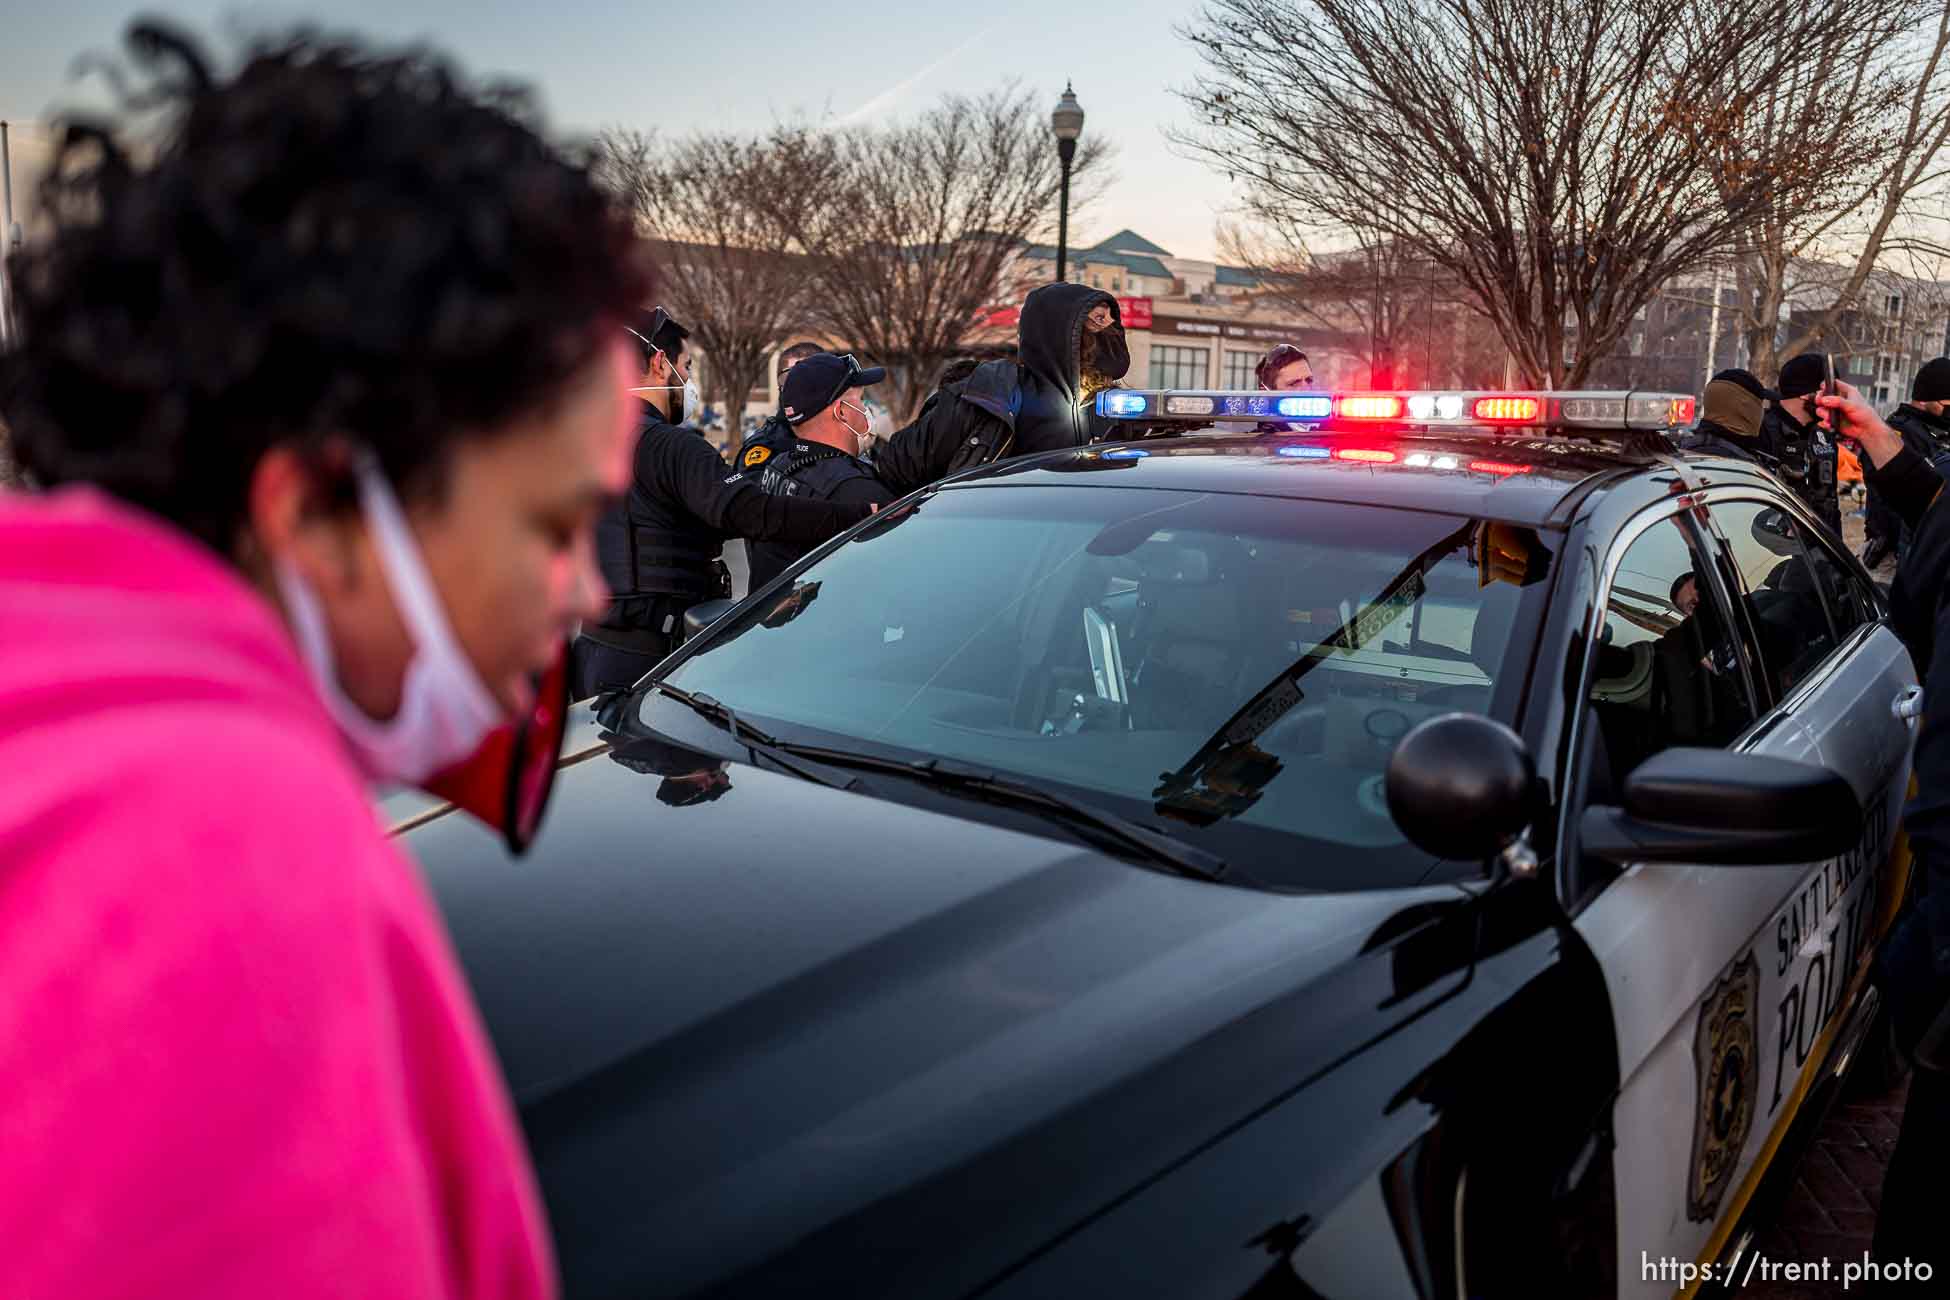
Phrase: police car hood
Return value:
(748, 1018)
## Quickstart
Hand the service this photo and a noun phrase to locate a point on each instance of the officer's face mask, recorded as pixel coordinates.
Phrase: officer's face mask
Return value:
(445, 710)
(860, 434)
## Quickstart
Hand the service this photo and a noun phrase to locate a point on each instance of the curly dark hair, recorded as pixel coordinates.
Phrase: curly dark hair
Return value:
(331, 245)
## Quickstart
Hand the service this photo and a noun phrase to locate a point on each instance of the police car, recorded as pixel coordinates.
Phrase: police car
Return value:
(1420, 844)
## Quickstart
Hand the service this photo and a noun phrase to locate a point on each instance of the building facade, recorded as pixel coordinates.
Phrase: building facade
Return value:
(1190, 323)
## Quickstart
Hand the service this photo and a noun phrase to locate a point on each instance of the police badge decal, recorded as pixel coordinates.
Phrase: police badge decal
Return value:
(1725, 1056)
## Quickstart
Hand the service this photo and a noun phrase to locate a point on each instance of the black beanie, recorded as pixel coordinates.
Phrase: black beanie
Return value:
(1802, 375)
(1932, 382)
(1745, 379)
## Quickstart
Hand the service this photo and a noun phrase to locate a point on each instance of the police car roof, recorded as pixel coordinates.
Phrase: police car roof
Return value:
(1523, 478)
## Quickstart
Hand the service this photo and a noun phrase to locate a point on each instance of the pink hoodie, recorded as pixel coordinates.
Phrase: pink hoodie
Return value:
(236, 1054)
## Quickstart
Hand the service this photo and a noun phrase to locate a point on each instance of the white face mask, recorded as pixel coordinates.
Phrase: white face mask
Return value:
(445, 710)
(861, 434)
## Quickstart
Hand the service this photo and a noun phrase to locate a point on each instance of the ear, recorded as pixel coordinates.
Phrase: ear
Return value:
(295, 515)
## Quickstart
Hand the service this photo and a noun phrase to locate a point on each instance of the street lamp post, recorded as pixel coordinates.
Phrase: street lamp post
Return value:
(1067, 122)
(9, 238)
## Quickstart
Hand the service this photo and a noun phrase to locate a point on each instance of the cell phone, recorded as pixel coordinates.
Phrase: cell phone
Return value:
(1829, 388)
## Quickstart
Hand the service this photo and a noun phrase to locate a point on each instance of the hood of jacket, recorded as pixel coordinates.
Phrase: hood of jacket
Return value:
(1051, 334)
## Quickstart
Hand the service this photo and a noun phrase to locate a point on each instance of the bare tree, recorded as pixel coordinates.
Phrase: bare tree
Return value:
(725, 254)
(912, 240)
(1872, 110)
(1404, 317)
(1551, 155)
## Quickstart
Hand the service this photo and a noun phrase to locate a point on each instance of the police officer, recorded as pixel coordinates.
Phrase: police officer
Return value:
(1805, 455)
(660, 548)
(818, 404)
(1925, 430)
(775, 436)
(1731, 415)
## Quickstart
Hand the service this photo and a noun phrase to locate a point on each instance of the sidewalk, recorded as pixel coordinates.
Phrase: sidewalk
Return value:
(1831, 1212)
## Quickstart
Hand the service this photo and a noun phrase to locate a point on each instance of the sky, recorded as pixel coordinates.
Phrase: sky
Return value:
(738, 65)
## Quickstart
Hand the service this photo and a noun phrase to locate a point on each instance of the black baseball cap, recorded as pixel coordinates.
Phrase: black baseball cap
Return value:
(818, 381)
(1745, 379)
(1803, 374)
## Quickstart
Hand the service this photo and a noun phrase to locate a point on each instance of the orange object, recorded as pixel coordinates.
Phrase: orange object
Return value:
(1848, 467)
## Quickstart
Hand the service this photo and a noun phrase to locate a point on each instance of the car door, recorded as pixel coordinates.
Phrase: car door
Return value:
(1725, 982)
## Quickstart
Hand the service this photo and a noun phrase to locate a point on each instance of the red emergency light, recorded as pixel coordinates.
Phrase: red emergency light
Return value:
(1498, 467)
(1366, 455)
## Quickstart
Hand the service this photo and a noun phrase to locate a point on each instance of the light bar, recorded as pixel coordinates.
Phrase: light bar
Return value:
(1168, 405)
(1594, 410)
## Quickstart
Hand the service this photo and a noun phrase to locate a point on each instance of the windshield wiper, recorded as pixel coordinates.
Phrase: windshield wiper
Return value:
(756, 742)
(1152, 846)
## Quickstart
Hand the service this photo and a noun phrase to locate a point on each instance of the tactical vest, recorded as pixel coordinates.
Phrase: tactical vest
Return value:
(810, 469)
(787, 475)
(1808, 464)
(647, 549)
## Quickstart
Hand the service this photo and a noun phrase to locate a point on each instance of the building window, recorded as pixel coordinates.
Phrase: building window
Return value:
(1882, 394)
(1883, 363)
(1895, 304)
(1241, 370)
(1178, 367)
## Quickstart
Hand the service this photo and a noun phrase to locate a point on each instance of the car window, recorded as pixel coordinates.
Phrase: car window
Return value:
(1668, 671)
(1851, 602)
(1234, 670)
(1788, 601)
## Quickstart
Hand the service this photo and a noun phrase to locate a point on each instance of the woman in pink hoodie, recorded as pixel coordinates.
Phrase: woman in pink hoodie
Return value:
(321, 402)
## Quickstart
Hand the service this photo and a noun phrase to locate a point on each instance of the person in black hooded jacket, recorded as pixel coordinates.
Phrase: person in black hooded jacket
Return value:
(1071, 343)
(1925, 429)
(1914, 962)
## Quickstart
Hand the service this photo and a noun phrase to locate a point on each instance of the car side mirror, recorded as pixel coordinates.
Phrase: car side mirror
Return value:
(1462, 786)
(704, 614)
(1709, 806)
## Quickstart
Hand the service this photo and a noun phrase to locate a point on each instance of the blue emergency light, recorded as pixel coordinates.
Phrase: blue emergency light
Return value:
(1120, 402)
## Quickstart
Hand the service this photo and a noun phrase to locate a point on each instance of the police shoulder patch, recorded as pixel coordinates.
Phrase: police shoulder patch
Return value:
(757, 456)
(1726, 1073)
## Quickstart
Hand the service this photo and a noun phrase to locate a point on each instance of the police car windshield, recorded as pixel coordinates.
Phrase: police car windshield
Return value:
(1231, 670)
